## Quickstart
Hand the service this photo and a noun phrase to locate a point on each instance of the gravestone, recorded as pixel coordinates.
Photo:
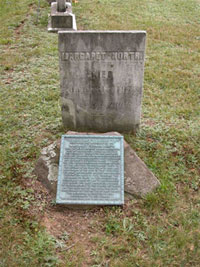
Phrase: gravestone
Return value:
(101, 79)
(61, 17)
(91, 170)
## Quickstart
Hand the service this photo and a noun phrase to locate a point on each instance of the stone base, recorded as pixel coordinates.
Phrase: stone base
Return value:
(138, 181)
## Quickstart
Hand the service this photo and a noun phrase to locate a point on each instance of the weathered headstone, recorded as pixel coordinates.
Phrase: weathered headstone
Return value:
(91, 170)
(101, 79)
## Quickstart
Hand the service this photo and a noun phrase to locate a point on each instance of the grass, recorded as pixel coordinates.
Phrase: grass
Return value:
(163, 228)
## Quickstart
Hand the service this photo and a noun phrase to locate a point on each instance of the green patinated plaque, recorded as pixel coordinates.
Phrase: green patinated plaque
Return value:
(91, 170)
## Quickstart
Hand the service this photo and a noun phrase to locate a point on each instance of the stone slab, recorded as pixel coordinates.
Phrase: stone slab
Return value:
(101, 79)
(91, 170)
(46, 167)
(138, 179)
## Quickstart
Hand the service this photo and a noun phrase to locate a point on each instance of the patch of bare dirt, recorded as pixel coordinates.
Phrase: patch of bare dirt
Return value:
(22, 23)
(79, 225)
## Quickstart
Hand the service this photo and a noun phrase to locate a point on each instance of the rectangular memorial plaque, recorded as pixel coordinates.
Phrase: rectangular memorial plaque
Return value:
(91, 170)
(101, 79)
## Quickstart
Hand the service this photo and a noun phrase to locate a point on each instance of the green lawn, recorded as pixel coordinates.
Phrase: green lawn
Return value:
(164, 228)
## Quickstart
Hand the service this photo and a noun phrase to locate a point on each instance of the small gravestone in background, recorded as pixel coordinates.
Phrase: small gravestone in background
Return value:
(91, 170)
(61, 17)
(101, 79)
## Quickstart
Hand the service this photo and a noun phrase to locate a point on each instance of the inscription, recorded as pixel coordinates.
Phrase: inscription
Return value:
(102, 56)
(119, 90)
(92, 169)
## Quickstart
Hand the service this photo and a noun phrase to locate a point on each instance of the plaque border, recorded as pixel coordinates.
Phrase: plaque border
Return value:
(90, 202)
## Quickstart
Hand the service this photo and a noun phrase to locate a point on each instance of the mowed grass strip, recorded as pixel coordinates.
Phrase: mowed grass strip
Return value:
(163, 228)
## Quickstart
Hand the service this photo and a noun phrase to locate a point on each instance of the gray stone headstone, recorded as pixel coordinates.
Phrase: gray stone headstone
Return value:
(102, 79)
(91, 170)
